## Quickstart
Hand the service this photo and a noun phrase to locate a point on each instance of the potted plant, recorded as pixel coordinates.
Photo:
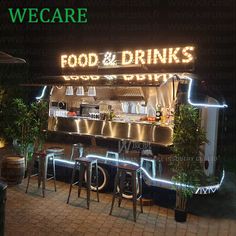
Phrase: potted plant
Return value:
(186, 165)
(25, 125)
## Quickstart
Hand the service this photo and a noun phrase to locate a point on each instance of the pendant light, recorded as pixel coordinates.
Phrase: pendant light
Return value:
(69, 91)
(92, 91)
(80, 91)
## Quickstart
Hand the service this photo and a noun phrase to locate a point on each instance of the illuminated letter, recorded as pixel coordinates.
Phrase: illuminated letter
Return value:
(84, 77)
(139, 54)
(66, 77)
(140, 77)
(74, 77)
(157, 77)
(128, 77)
(125, 60)
(72, 60)
(63, 61)
(157, 55)
(94, 77)
(172, 55)
(187, 54)
(149, 56)
(83, 60)
(93, 59)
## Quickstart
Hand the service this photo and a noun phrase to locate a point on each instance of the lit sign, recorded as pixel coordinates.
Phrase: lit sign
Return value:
(126, 77)
(174, 55)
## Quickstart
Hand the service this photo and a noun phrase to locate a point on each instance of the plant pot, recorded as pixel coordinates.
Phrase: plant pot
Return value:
(180, 215)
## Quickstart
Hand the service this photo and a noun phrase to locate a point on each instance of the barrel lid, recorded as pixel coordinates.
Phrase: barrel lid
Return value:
(3, 186)
(14, 158)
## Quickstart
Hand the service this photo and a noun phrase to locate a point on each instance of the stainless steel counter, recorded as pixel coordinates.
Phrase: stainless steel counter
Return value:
(135, 131)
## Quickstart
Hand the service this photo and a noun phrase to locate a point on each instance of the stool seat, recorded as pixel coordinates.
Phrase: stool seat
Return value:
(136, 174)
(84, 164)
(43, 161)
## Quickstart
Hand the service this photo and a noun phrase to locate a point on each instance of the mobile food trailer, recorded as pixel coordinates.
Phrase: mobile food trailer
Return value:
(120, 105)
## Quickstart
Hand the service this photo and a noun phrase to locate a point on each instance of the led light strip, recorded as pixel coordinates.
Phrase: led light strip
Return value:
(42, 94)
(201, 189)
(200, 104)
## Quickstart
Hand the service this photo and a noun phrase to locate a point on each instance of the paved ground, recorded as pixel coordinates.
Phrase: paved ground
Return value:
(30, 214)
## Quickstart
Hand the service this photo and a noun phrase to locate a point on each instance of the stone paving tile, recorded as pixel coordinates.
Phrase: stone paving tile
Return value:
(31, 214)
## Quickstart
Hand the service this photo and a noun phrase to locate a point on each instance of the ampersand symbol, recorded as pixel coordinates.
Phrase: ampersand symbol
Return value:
(109, 59)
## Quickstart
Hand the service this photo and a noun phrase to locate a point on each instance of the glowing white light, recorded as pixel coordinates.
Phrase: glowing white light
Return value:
(203, 189)
(42, 94)
(200, 104)
(109, 59)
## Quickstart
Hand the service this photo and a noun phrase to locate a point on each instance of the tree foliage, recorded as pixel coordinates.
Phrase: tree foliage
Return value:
(26, 123)
(187, 139)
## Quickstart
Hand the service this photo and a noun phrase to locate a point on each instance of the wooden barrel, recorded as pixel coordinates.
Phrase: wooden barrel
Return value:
(13, 169)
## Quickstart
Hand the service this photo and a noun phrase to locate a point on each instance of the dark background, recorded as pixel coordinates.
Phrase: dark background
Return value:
(116, 25)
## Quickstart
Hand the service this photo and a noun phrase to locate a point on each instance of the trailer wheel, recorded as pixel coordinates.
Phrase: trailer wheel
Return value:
(103, 179)
(128, 187)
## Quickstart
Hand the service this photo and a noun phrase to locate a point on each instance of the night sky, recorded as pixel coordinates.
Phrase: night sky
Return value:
(117, 25)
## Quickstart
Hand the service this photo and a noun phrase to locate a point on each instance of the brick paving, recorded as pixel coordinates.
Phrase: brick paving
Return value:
(30, 214)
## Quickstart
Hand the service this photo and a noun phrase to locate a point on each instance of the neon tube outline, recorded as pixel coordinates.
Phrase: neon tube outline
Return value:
(217, 186)
(42, 93)
(200, 104)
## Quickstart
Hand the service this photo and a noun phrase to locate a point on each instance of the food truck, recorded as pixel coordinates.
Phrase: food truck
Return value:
(119, 107)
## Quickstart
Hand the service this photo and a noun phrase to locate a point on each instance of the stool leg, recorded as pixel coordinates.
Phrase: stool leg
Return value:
(121, 186)
(97, 181)
(89, 167)
(71, 183)
(39, 173)
(114, 191)
(81, 177)
(134, 190)
(140, 190)
(44, 174)
(54, 173)
(29, 174)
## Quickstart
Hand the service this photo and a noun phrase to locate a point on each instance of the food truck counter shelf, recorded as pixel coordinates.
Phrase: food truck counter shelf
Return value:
(120, 120)
(138, 131)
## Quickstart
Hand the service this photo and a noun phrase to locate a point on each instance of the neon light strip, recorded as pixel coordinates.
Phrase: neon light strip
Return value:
(147, 174)
(42, 94)
(217, 186)
(200, 104)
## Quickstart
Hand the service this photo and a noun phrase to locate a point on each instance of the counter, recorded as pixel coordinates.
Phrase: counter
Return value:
(135, 131)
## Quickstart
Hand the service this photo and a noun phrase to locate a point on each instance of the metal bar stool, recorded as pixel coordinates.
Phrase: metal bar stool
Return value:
(43, 161)
(84, 164)
(77, 150)
(136, 174)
